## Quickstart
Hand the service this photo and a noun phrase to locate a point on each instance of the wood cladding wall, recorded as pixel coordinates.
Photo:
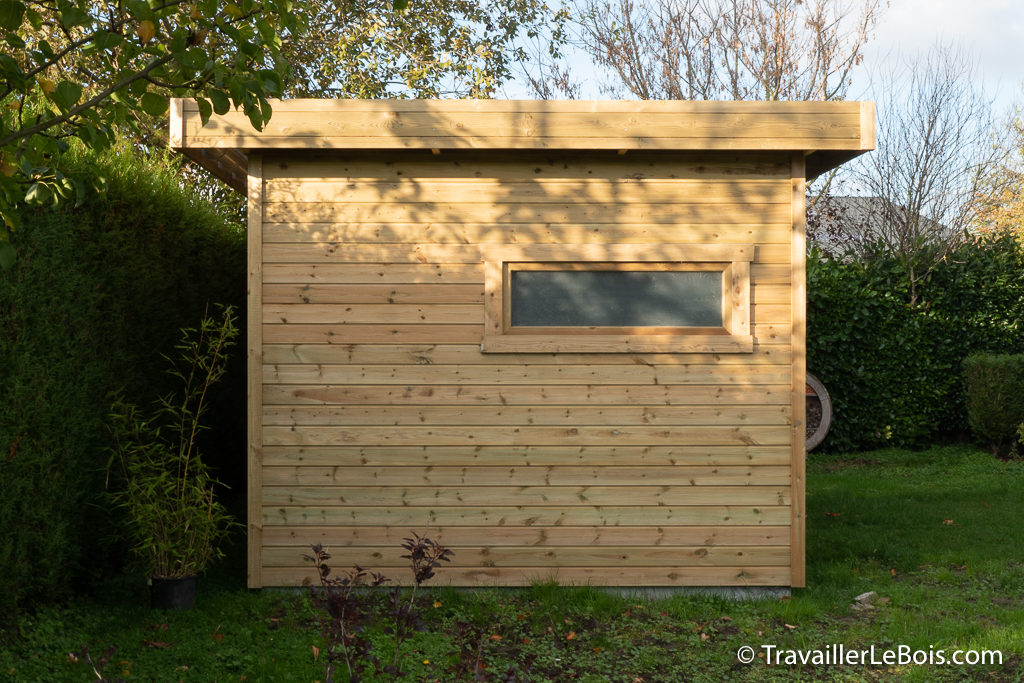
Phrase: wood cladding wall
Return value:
(374, 411)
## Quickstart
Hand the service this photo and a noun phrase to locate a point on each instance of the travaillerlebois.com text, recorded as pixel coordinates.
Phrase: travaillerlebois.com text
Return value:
(840, 655)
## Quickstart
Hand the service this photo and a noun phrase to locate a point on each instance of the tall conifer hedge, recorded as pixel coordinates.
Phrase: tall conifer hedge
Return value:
(97, 293)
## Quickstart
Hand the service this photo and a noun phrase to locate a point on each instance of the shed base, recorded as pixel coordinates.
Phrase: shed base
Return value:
(736, 593)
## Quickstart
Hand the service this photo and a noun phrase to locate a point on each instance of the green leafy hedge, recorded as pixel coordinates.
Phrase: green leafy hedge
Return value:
(97, 293)
(894, 370)
(995, 399)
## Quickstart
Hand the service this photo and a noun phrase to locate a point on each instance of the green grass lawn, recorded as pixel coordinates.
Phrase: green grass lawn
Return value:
(937, 534)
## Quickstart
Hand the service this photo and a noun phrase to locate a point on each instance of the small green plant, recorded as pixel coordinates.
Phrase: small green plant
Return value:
(995, 399)
(175, 522)
(349, 609)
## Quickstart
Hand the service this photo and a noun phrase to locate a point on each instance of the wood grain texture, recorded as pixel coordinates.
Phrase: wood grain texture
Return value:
(379, 413)
(603, 455)
(484, 475)
(469, 354)
(588, 576)
(527, 233)
(497, 517)
(526, 191)
(439, 273)
(490, 435)
(534, 536)
(798, 304)
(598, 394)
(547, 414)
(524, 496)
(254, 376)
(390, 557)
(738, 213)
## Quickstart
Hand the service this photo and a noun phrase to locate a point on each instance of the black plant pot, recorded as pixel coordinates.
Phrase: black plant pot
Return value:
(173, 593)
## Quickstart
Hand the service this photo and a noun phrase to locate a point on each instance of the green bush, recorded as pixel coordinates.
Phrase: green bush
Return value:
(893, 369)
(995, 399)
(96, 294)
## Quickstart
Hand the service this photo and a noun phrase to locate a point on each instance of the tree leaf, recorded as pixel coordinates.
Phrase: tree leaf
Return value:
(15, 41)
(255, 117)
(153, 104)
(194, 58)
(400, 5)
(11, 14)
(66, 95)
(205, 109)
(145, 31)
(72, 16)
(221, 103)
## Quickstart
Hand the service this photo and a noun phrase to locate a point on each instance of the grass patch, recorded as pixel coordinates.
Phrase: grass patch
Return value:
(937, 534)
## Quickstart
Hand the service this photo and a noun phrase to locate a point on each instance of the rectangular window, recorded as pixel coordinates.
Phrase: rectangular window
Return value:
(613, 295)
(607, 298)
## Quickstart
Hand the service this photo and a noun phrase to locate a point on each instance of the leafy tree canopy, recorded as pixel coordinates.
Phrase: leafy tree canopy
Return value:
(87, 68)
(432, 49)
(1001, 205)
(92, 69)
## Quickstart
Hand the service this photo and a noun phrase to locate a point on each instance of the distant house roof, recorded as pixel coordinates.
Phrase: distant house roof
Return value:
(837, 224)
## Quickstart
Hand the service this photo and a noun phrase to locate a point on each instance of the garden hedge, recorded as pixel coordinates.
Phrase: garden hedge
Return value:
(995, 399)
(894, 369)
(96, 294)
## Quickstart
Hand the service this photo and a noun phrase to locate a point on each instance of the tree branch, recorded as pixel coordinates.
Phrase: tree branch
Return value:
(25, 133)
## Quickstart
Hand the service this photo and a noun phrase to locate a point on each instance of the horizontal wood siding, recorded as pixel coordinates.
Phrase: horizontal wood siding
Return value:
(380, 414)
(546, 125)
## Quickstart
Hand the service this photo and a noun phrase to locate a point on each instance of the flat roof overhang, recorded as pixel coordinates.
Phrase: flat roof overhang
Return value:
(827, 133)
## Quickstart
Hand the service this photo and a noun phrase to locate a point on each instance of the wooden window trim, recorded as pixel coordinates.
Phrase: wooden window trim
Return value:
(732, 260)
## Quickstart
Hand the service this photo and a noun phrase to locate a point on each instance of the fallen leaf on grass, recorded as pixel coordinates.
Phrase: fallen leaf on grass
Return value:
(893, 573)
(724, 618)
(571, 635)
(495, 636)
(217, 636)
(949, 522)
(159, 644)
(316, 653)
(438, 603)
(705, 637)
(789, 626)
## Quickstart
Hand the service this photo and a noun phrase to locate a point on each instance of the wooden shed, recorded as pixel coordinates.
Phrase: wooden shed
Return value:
(564, 338)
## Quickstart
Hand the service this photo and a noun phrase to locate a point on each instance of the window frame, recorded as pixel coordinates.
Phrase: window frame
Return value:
(732, 260)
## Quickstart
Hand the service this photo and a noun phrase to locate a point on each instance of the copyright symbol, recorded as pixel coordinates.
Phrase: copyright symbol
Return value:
(745, 654)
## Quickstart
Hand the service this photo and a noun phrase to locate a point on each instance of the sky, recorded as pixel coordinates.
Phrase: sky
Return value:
(992, 31)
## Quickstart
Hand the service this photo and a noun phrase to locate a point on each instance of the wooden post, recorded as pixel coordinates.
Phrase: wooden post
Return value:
(798, 301)
(255, 375)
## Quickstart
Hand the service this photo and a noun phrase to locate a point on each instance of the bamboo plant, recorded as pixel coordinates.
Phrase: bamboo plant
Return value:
(175, 522)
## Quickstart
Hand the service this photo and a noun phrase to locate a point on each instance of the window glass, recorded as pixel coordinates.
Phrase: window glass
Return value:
(615, 298)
